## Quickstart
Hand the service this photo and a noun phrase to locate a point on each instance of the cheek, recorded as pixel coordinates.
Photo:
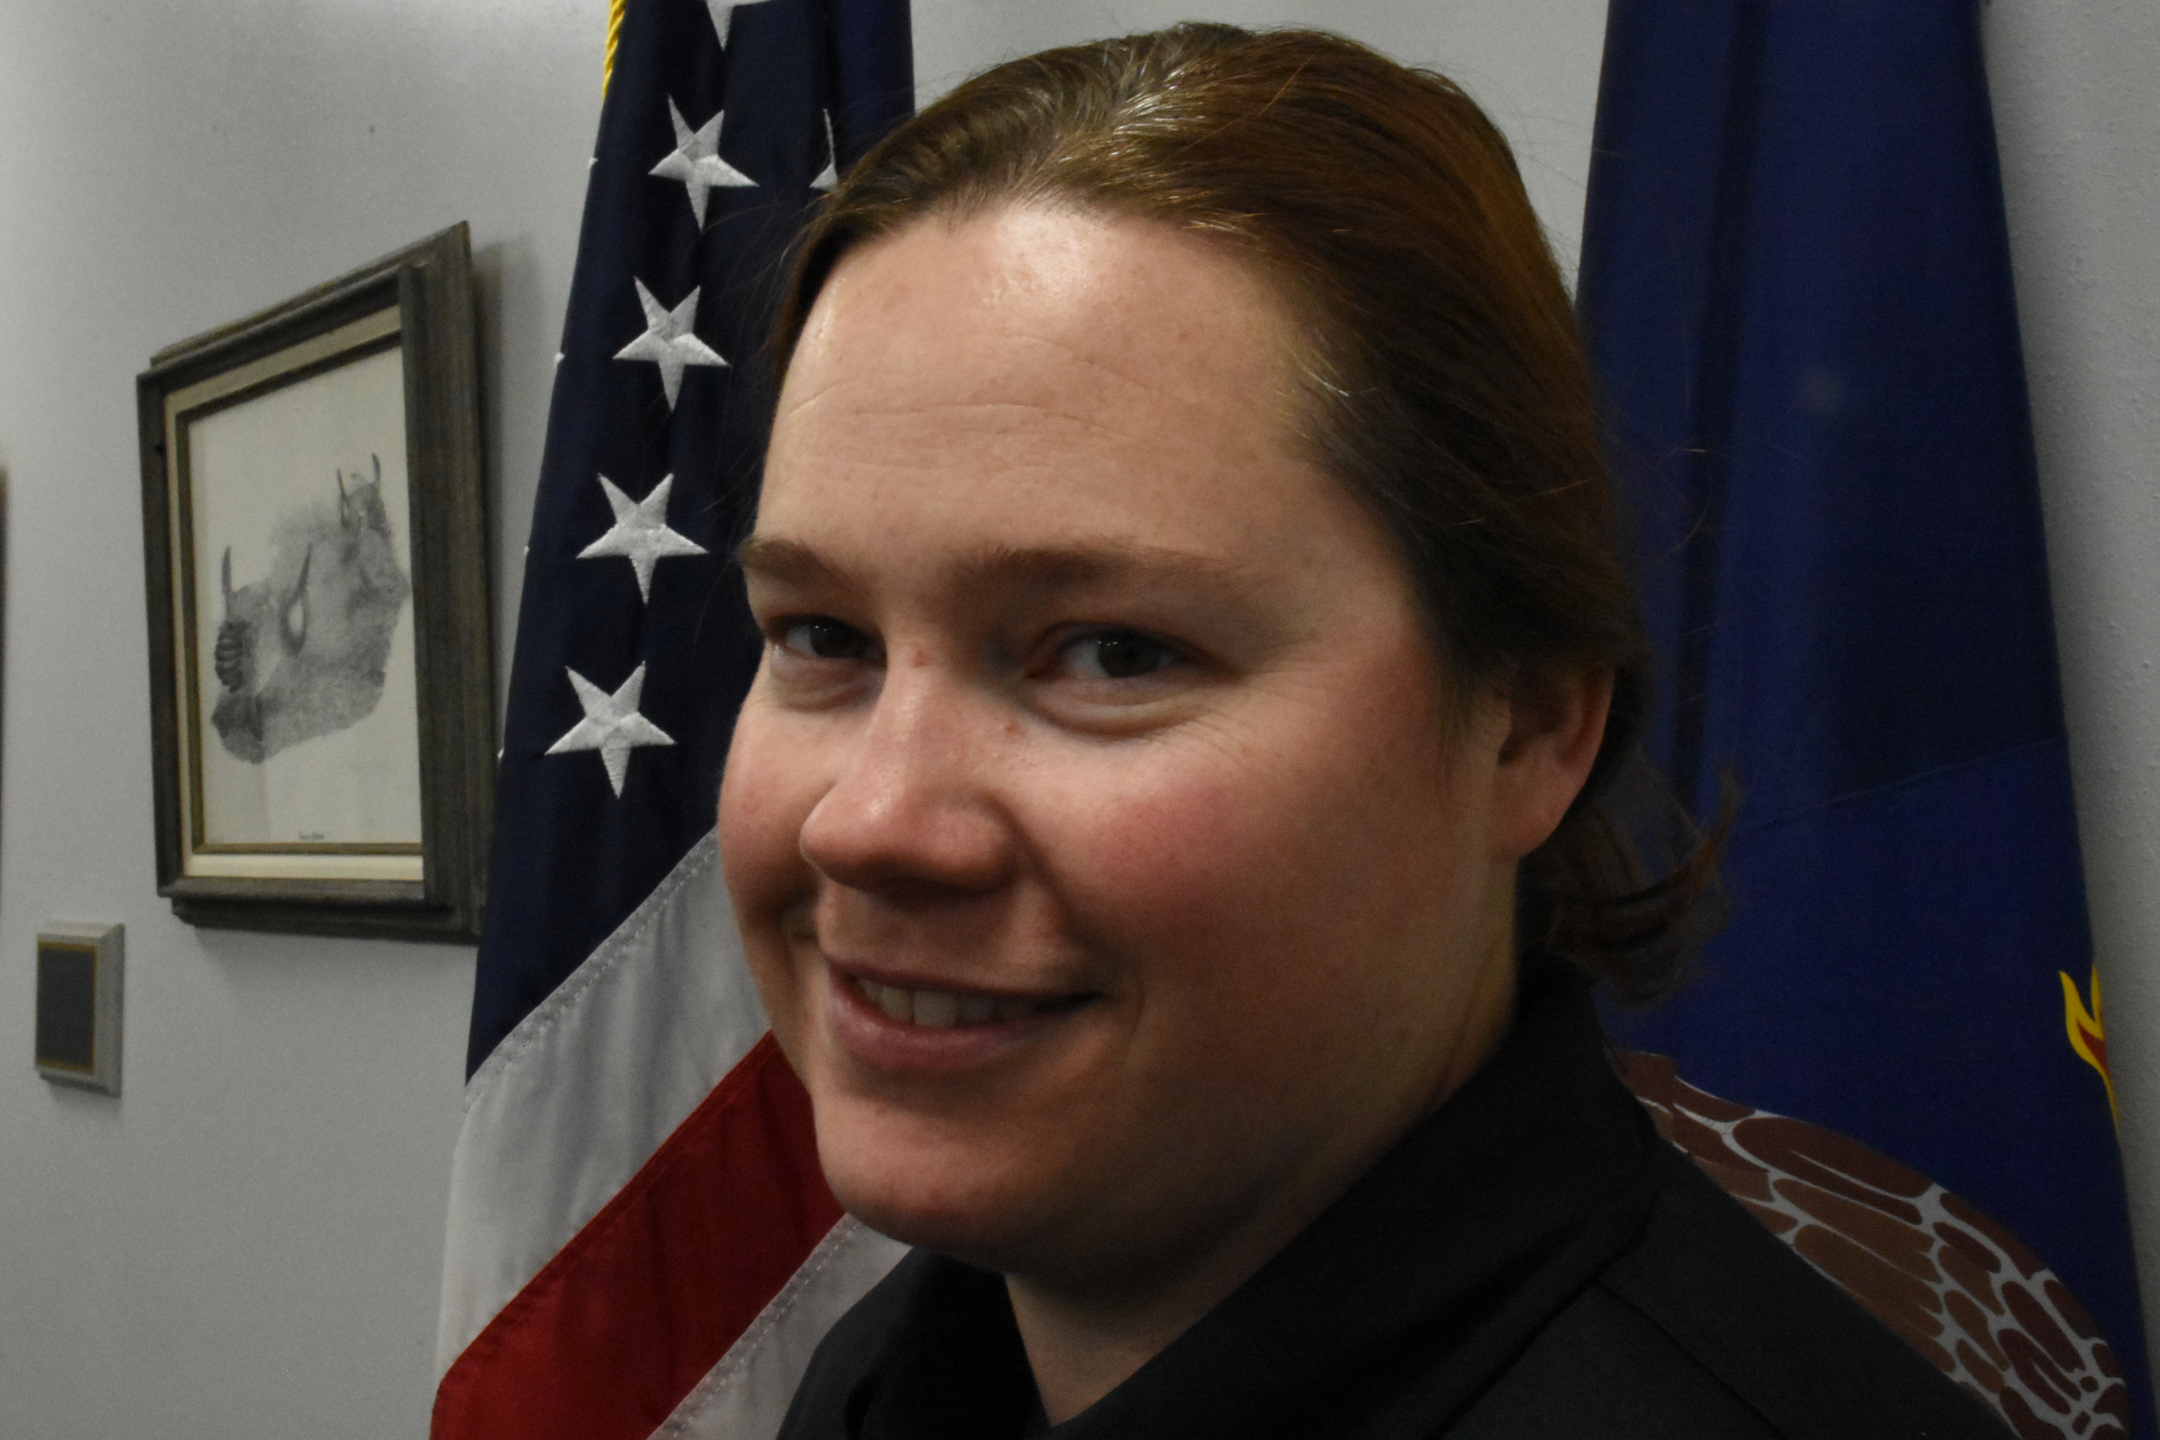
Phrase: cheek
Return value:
(1213, 883)
(766, 791)
(1284, 818)
(763, 801)
(1282, 900)
(1201, 897)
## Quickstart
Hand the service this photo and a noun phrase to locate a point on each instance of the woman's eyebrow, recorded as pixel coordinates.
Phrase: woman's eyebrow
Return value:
(786, 562)
(1046, 567)
(1083, 563)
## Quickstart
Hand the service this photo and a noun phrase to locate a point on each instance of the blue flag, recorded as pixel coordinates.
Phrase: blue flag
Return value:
(635, 1187)
(1796, 286)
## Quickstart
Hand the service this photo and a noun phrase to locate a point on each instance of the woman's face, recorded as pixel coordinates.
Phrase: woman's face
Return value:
(1116, 867)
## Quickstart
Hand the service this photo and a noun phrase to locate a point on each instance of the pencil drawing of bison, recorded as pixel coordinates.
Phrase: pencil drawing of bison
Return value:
(302, 651)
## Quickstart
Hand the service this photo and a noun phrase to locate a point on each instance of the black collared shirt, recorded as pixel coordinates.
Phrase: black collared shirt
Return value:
(1531, 1260)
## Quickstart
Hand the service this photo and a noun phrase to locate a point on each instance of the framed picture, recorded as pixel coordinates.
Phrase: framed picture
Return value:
(321, 692)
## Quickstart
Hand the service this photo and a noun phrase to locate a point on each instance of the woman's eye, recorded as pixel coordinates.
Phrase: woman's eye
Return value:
(1118, 655)
(824, 638)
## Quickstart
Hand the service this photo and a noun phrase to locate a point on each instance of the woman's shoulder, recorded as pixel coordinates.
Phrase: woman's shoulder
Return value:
(1709, 1326)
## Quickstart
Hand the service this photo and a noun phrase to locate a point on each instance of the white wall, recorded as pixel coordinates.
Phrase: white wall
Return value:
(246, 1244)
(2078, 121)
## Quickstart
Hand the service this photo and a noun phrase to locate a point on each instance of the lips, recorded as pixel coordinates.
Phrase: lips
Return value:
(950, 1009)
(919, 1030)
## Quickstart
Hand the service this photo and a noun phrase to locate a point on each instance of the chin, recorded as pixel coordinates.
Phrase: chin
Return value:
(966, 1227)
(928, 1197)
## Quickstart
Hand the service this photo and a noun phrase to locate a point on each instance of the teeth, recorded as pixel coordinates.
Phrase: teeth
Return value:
(898, 1003)
(943, 1009)
(938, 1009)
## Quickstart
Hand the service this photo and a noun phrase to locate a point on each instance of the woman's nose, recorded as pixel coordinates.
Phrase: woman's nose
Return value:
(915, 802)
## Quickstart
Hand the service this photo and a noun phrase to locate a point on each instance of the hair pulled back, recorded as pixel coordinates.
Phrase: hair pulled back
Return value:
(1444, 377)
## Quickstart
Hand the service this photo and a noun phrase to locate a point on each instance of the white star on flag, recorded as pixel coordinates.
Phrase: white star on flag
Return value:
(723, 11)
(611, 725)
(668, 341)
(696, 161)
(641, 534)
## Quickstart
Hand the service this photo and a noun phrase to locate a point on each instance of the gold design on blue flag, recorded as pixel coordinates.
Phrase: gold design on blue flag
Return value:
(2088, 1033)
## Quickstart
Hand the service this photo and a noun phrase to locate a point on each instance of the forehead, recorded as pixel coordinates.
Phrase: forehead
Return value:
(1136, 298)
(1041, 347)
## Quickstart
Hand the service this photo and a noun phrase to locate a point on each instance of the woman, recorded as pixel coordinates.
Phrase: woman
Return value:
(1165, 827)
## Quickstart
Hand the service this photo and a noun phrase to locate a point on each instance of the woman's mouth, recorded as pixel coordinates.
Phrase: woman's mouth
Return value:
(925, 1031)
(949, 1009)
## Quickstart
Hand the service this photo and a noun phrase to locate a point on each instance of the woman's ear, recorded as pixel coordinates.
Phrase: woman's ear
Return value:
(1556, 722)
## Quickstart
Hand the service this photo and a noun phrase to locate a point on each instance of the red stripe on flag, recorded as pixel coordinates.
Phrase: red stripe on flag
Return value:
(615, 1330)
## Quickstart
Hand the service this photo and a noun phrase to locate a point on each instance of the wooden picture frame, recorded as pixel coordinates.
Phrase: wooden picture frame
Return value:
(314, 537)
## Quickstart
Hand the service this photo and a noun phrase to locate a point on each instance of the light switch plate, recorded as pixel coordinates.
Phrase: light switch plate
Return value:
(79, 974)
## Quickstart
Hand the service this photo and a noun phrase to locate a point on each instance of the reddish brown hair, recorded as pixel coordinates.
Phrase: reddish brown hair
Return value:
(1444, 375)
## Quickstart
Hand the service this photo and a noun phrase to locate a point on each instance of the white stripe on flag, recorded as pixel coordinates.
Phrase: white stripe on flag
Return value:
(746, 1395)
(580, 1094)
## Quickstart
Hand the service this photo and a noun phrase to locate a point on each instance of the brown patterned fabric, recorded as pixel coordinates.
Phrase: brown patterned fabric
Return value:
(1960, 1288)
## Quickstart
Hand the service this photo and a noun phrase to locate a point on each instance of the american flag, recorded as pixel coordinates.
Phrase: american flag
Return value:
(639, 1238)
